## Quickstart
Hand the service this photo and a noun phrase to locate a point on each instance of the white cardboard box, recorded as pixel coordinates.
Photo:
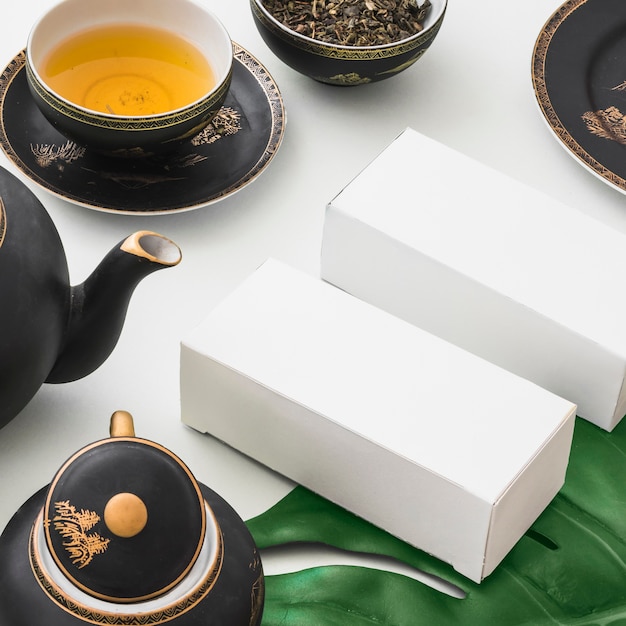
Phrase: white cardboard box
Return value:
(489, 264)
(437, 446)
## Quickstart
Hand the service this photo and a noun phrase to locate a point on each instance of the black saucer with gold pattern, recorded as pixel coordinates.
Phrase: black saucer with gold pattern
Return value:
(125, 535)
(228, 155)
(579, 78)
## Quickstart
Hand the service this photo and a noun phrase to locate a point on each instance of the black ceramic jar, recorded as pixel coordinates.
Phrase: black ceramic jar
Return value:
(124, 534)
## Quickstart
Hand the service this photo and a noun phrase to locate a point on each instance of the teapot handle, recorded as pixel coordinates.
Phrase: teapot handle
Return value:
(122, 424)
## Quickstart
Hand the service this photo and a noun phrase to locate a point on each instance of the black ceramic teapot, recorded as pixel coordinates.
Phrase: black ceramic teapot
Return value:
(50, 331)
(124, 534)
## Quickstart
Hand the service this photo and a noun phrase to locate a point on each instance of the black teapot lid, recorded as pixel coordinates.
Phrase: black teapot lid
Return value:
(124, 518)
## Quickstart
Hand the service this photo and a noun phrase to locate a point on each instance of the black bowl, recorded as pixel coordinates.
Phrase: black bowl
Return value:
(119, 135)
(343, 64)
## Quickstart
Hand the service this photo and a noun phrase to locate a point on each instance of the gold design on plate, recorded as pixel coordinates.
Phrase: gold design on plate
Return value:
(226, 122)
(3, 221)
(47, 154)
(607, 123)
(257, 593)
(73, 526)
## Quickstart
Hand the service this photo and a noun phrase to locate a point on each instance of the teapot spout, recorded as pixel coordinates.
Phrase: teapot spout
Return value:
(98, 306)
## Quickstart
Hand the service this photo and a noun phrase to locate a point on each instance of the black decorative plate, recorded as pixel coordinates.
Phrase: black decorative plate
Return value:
(579, 77)
(124, 568)
(232, 152)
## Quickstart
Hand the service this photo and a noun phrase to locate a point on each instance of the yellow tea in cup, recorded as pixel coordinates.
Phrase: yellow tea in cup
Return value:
(128, 70)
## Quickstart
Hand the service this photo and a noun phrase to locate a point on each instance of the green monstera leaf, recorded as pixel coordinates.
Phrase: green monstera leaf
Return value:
(569, 568)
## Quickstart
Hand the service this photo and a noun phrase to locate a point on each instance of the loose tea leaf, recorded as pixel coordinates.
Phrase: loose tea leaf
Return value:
(352, 22)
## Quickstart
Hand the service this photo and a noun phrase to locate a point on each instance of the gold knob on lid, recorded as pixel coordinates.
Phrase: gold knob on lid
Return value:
(125, 515)
(122, 424)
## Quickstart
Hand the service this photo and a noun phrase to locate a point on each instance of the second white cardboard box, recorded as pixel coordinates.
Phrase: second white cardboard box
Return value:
(427, 441)
(496, 267)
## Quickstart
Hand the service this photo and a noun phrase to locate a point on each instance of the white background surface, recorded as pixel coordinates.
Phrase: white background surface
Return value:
(472, 90)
